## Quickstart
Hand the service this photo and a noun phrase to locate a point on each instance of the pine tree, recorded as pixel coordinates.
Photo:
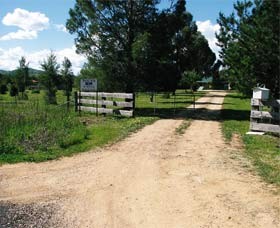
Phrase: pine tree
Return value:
(50, 78)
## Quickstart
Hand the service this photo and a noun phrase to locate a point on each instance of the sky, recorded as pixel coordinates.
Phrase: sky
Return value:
(34, 28)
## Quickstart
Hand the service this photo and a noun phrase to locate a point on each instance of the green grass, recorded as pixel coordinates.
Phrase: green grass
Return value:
(263, 151)
(183, 127)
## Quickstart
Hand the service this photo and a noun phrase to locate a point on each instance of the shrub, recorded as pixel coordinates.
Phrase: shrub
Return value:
(13, 91)
(3, 89)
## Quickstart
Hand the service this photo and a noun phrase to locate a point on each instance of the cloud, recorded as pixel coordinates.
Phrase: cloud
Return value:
(30, 23)
(9, 58)
(20, 35)
(60, 27)
(208, 30)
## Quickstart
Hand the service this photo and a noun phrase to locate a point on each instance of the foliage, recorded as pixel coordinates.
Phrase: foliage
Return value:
(22, 75)
(67, 78)
(133, 46)
(106, 31)
(13, 90)
(249, 40)
(3, 89)
(263, 151)
(50, 78)
(190, 79)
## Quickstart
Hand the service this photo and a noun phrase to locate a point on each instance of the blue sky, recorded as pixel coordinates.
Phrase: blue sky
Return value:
(34, 27)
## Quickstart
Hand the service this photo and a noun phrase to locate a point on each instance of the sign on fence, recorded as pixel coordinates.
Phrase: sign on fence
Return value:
(88, 85)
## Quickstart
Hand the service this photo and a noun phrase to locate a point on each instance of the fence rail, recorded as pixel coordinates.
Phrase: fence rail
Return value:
(264, 120)
(91, 102)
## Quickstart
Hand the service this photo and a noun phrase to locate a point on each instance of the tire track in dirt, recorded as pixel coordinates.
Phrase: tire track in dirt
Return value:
(154, 178)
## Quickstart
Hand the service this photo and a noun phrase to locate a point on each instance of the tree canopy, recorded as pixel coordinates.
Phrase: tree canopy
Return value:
(133, 45)
(249, 41)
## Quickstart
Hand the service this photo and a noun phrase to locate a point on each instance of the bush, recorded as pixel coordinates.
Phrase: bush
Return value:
(3, 89)
(35, 91)
(13, 91)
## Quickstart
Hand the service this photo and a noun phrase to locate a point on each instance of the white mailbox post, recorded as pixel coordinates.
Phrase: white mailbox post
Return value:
(261, 93)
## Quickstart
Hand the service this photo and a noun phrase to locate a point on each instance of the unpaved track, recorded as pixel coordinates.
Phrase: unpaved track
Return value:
(154, 178)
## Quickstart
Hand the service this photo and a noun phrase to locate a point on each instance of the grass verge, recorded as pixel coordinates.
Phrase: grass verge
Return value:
(183, 127)
(263, 151)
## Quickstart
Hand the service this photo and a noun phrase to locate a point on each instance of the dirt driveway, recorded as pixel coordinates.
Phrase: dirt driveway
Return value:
(154, 178)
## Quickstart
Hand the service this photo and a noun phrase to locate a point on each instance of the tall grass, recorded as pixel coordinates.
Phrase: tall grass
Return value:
(32, 127)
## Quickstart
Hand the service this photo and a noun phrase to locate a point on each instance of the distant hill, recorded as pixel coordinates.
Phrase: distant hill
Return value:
(3, 72)
(32, 72)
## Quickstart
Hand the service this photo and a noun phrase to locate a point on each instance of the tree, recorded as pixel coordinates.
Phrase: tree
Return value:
(249, 40)
(22, 75)
(177, 47)
(67, 78)
(3, 84)
(50, 78)
(136, 46)
(106, 31)
(189, 79)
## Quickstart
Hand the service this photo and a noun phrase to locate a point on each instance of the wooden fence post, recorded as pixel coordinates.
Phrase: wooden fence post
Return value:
(133, 106)
(76, 100)
(103, 105)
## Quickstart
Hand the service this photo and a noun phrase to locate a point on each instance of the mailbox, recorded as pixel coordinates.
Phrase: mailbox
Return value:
(261, 93)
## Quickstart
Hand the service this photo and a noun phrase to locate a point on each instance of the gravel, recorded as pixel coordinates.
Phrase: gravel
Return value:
(27, 215)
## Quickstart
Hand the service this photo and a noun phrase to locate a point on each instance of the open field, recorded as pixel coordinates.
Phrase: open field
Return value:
(33, 131)
(262, 151)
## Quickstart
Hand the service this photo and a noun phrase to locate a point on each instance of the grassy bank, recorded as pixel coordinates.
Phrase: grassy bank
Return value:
(263, 151)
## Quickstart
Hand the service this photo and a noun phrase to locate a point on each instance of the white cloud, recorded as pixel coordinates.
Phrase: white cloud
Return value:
(60, 27)
(76, 60)
(30, 23)
(208, 30)
(9, 58)
(20, 35)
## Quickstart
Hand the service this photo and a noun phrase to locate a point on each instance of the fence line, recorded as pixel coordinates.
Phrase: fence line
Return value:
(91, 102)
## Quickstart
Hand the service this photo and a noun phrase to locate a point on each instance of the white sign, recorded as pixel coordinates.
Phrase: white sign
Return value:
(88, 85)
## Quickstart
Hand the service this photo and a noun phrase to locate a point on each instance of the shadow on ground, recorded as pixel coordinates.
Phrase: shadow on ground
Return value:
(197, 113)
